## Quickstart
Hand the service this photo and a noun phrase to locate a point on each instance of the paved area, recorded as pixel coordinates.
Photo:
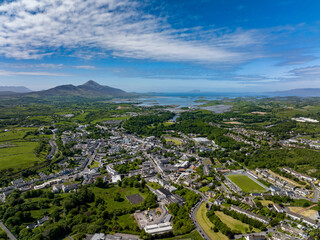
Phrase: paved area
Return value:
(135, 199)
(10, 235)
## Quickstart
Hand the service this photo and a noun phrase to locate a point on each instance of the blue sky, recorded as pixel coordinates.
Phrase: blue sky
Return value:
(161, 45)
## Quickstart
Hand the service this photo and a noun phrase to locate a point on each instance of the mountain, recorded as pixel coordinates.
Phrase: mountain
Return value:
(195, 91)
(19, 89)
(90, 89)
(299, 92)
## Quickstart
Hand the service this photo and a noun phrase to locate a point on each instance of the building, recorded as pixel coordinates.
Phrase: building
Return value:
(68, 188)
(169, 197)
(57, 188)
(250, 214)
(218, 201)
(42, 220)
(278, 208)
(158, 228)
(255, 237)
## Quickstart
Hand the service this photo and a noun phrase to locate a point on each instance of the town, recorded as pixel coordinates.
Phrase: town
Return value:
(178, 169)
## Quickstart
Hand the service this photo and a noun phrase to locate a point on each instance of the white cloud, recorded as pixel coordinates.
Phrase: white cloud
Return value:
(11, 73)
(32, 29)
(87, 67)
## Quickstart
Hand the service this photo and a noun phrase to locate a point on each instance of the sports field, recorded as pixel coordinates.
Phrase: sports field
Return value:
(245, 183)
(206, 224)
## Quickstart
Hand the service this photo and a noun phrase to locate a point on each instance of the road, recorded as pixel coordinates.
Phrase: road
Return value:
(4, 228)
(316, 193)
(54, 147)
(193, 216)
(269, 230)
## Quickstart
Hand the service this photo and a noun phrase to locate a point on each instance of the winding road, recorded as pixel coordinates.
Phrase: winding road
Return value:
(193, 216)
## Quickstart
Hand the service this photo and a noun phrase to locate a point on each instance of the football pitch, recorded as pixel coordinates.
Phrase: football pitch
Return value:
(246, 184)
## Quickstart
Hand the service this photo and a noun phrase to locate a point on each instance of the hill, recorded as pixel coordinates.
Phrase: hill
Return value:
(299, 92)
(12, 90)
(90, 89)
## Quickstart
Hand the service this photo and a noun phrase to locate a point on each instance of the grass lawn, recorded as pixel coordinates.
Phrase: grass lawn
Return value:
(245, 183)
(306, 213)
(20, 155)
(206, 225)
(168, 123)
(207, 161)
(234, 224)
(95, 164)
(127, 220)
(174, 140)
(190, 236)
(155, 186)
(109, 193)
(265, 203)
(204, 189)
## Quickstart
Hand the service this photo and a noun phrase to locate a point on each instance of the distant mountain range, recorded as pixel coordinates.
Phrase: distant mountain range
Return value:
(90, 89)
(299, 92)
(14, 89)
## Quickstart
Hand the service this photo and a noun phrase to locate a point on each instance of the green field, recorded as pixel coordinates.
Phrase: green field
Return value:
(108, 195)
(14, 134)
(174, 140)
(206, 224)
(190, 236)
(18, 155)
(234, 224)
(127, 220)
(204, 189)
(155, 186)
(246, 184)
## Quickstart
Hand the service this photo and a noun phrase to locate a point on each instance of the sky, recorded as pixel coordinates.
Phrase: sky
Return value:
(161, 45)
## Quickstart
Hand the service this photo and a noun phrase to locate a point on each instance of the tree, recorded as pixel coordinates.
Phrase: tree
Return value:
(117, 197)
(99, 183)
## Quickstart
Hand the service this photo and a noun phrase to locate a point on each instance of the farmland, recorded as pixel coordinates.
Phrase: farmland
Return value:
(18, 155)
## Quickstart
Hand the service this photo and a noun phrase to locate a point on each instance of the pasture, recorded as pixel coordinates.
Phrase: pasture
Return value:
(18, 155)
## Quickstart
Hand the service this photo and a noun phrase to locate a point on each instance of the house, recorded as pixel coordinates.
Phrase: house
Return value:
(42, 220)
(274, 189)
(294, 216)
(112, 237)
(250, 214)
(31, 226)
(210, 194)
(255, 237)
(68, 188)
(278, 208)
(218, 201)
(98, 236)
(57, 188)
